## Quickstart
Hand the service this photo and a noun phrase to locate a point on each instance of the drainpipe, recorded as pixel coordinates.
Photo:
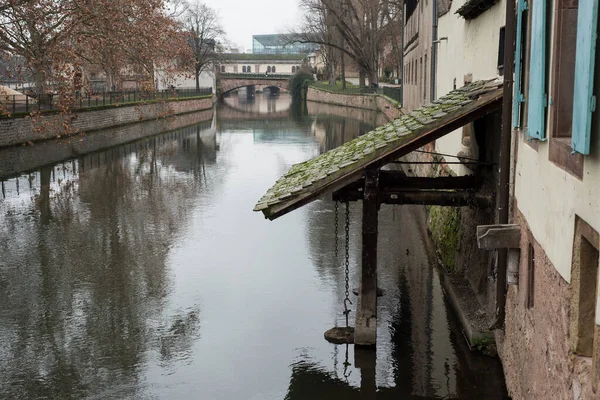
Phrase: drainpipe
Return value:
(505, 143)
(434, 42)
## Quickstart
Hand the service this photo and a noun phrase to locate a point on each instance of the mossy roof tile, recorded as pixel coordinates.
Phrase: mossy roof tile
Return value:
(306, 180)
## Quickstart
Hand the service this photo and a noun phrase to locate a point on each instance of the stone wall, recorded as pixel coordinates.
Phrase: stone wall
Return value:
(363, 101)
(15, 131)
(535, 350)
(16, 159)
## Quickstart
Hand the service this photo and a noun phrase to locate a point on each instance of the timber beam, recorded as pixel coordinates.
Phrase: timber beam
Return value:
(396, 188)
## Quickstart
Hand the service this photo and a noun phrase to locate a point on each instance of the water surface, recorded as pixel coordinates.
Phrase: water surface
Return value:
(141, 272)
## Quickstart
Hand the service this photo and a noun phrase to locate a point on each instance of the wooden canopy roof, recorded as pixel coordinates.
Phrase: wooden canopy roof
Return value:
(330, 171)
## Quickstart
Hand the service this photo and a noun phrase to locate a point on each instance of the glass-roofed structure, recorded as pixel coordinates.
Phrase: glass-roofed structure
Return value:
(278, 44)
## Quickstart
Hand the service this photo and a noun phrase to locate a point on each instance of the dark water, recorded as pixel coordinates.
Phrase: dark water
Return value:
(141, 272)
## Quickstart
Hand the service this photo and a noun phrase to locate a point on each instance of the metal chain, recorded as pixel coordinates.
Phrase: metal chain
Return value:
(337, 205)
(347, 264)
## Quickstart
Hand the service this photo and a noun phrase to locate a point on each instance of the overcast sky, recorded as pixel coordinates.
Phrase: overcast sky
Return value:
(243, 18)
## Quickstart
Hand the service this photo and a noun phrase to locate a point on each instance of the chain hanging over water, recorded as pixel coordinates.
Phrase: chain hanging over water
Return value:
(337, 205)
(347, 264)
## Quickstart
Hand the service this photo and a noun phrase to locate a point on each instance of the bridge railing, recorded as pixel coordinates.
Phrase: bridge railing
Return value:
(253, 75)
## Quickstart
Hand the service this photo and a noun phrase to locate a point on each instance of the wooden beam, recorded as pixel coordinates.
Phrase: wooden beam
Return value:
(399, 180)
(365, 331)
(438, 198)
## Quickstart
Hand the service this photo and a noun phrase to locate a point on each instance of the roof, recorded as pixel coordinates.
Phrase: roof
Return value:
(262, 57)
(474, 8)
(335, 169)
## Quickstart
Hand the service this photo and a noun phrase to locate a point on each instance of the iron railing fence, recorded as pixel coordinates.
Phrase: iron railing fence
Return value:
(394, 93)
(24, 104)
(250, 75)
(349, 89)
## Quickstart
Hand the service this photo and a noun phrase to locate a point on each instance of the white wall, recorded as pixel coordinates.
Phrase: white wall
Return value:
(471, 48)
(280, 67)
(549, 197)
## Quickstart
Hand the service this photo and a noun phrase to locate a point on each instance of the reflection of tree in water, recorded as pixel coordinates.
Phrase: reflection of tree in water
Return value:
(83, 272)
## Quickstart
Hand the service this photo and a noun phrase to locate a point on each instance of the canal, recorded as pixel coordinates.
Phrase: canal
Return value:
(141, 272)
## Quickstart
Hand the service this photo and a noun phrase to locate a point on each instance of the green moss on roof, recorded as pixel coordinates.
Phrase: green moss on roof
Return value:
(355, 155)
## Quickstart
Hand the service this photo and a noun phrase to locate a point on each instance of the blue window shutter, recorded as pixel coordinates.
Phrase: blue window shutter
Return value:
(584, 101)
(536, 98)
(518, 95)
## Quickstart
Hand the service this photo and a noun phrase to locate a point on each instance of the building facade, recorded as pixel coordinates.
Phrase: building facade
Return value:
(549, 341)
(279, 44)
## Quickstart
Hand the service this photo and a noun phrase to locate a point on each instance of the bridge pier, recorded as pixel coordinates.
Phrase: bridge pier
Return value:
(250, 91)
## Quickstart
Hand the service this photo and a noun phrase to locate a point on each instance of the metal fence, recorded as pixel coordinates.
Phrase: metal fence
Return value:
(254, 75)
(24, 104)
(394, 93)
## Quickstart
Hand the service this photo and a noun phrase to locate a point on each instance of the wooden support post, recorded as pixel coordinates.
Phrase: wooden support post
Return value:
(365, 332)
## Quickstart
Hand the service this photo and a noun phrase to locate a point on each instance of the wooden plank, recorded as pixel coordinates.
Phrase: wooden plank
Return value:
(484, 105)
(365, 331)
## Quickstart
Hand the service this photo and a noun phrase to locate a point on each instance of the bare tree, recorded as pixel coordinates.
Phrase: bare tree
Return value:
(363, 26)
(202, 25)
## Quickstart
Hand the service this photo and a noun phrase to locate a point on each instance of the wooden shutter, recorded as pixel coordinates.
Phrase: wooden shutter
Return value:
(537, 99)
(518, 95)
(584, 102)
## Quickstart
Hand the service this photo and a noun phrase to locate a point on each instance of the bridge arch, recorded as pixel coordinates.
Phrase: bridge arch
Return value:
(229, 83)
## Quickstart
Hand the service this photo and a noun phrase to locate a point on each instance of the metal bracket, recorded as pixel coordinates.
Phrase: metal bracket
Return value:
(501, 236)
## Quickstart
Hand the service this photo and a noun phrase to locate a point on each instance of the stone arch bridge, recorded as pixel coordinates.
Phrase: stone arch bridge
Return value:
(227, 82)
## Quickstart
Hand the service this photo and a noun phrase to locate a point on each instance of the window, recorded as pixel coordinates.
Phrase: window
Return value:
(273, 69)
(563, 86)
(268, 69)
(530, 276)
(584, 287)
(425, 79)
(420, 80)
(248, 69)
(293, 69)
(244, 69)
(235, 68)
(521, 63)
(222, 68)
(501, 52)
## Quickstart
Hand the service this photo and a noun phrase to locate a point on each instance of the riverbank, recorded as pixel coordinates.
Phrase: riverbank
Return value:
(372, 102)
(17, 131)
(17, 159)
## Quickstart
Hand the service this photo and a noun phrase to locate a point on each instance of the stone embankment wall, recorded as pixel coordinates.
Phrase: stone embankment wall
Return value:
(16, 159)
(364, 101)
(15, 131)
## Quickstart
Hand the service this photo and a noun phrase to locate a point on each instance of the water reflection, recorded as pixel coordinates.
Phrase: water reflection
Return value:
(84, 274)
(141, 272)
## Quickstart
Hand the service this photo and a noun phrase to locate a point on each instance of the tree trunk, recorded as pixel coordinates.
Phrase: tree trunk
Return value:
(361, 78)
(330, 66)
(343, 70)
(40, 86)
(197, 80)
